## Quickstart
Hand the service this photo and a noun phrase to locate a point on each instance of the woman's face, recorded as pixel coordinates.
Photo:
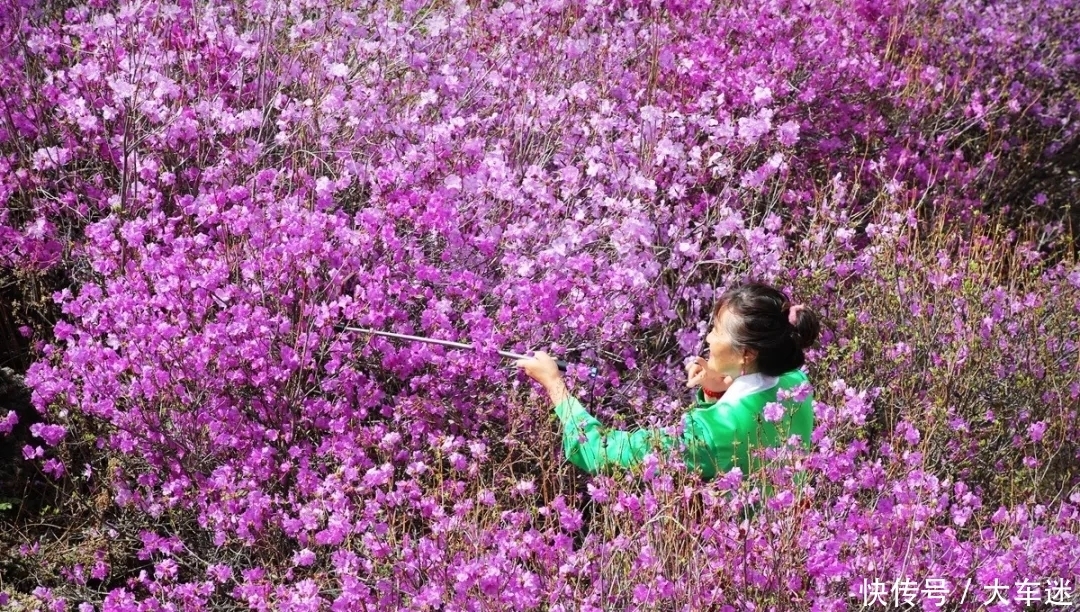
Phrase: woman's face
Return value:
(722, 357)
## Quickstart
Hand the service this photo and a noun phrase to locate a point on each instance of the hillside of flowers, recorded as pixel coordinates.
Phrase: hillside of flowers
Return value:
(196, 195)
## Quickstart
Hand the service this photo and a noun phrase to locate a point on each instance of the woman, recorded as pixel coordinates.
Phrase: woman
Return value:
(756, 350)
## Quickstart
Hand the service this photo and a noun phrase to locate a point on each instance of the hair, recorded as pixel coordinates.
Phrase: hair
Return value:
(760, 323)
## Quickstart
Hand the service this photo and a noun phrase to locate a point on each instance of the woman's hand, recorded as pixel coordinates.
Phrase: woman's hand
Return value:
(698, 373)
(543, 369)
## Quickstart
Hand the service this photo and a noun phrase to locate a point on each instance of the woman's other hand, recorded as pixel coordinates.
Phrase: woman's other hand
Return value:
(698, 373)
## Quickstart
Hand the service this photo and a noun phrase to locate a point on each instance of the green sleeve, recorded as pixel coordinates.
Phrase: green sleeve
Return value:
(595, 448)
(711, 438)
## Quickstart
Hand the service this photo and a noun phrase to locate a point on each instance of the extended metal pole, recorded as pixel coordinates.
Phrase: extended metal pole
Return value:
(460, 345)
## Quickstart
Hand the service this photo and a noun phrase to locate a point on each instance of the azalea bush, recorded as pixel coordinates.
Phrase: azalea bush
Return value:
(197, 197)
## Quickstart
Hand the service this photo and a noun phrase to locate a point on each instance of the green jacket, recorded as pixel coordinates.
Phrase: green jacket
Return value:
(717, 434)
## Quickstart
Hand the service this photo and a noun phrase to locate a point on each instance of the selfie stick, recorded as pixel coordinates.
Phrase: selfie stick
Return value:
(459, 345)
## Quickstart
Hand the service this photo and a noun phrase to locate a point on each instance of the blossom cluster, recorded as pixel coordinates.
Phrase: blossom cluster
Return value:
(224, 184)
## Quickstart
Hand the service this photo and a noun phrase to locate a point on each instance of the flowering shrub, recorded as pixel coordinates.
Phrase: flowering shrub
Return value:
(221, 186)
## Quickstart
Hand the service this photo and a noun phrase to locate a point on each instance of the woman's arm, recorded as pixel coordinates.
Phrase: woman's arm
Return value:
(593, 447)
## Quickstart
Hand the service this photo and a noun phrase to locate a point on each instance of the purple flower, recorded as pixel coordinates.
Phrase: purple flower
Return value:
(1036, 431)
(51, 434)
(304, 558)
(773, 412)
(8, 423)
